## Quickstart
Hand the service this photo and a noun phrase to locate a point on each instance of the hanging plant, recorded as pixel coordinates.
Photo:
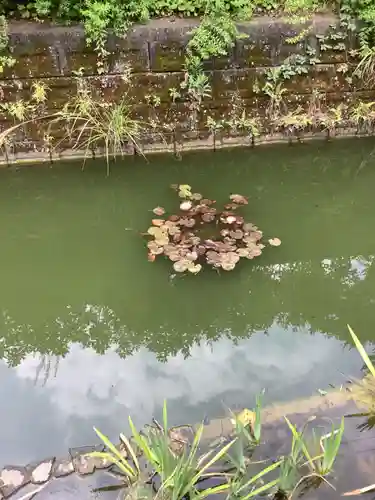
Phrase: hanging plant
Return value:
(200, 234)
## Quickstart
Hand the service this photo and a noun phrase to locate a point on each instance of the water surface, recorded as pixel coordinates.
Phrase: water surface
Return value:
(91, 331)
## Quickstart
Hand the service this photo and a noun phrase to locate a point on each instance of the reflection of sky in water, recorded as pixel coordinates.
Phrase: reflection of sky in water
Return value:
(90, 389)
(358, 269)
(62, 398)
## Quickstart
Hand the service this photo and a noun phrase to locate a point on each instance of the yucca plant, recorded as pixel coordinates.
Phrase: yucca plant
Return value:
(364, 393)
(96, 124)
(364, 390)
(326, 448)
(180, 473)
(113, 455)
(245, 490)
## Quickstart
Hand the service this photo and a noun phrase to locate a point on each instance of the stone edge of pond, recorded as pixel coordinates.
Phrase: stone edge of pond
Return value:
(14, 478)
(32, 158)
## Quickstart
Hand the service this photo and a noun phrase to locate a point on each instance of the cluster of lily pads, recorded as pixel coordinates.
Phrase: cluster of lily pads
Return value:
(201, 234)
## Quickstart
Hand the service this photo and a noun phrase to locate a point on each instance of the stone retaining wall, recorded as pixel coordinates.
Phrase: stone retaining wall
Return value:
(152, 59)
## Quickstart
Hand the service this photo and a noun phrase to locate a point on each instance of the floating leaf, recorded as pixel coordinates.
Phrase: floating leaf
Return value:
(255, 252)
(181, 266)
(174, 230)
(174, 256)
(213, 258)
(186, 205)
(195, 269)
(248, 227)
(244, 252)
(191, 256)
(208, 217)
(151, 257)
(159, 211)
(237, 234)
(154, 248)
(162, 241)
(196, 196)
(231, 257)
(187, 222)
(174, 218)
(228, 266)
(239, 199)
(157, 232)
(184, 191)
(231, 206)
(275, 242)
(158, 222)
(224, 232)
(231, 219)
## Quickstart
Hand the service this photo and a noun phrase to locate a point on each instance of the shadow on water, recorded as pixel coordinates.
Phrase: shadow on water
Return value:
(91, 331)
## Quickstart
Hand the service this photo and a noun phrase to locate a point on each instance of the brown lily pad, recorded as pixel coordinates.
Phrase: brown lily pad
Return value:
(159, 211)
(239, 199)
(275, 242)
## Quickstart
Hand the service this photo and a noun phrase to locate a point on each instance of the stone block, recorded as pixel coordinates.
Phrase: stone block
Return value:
(42, 471)
(62, 468)
(13, 478)
(167, 56)
(34, 66)
(227, 82)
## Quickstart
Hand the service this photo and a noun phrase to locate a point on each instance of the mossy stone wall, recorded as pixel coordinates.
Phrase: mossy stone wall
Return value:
(154, 54)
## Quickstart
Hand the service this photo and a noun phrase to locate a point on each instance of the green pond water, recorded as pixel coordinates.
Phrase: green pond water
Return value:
(91, 331)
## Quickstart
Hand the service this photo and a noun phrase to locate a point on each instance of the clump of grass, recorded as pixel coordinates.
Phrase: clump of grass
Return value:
(93, 124)
(310, 460)
(365, 69)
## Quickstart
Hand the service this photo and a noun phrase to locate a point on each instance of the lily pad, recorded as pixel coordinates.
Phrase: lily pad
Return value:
(248, 227)
(243, 252)
(157, 222)
(186, 205)
(202, 233)
(213, 258)
(239, 199)
(184, 191)
(156, 232)
(228, 266)
(174, 230)
(187, 222)
(154, 248)
(195, 268)
(275, 242)
(230, 219)
(162, 241)
(191, 256)
(159, 211)
(174, 256)
(196, 196)
(237, 234)
(208, 217)
(231, 257)
(180, 266)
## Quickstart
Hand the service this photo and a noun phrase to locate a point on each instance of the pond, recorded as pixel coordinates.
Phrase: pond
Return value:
(91, 331)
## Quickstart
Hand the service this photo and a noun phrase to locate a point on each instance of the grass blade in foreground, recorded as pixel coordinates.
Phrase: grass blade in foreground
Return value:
(362, 352)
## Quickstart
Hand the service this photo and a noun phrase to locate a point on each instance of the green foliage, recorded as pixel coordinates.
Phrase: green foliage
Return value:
(114, 456)
(94, 124)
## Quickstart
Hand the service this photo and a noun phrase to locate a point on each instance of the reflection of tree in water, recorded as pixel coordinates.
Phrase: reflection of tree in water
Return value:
(316, 296)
